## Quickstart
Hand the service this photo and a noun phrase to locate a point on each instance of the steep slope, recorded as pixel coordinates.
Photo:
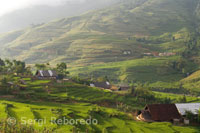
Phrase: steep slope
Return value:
(192, 82)
(133, 27)
(20, 18)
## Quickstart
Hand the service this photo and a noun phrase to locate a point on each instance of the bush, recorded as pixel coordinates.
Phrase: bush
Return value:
(190, 116)
(143, 93)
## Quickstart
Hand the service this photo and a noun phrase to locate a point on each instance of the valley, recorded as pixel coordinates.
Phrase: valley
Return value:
(110, 64)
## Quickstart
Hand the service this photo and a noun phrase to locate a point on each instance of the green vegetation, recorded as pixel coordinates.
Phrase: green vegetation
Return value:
(192, 82)
(140, 70)
(37, 102)
(102, 36)
(109, 120)
(151, 44)
(108, 42)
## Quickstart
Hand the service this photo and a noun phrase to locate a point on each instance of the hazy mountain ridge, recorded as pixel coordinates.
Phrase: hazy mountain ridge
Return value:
(35, 15)
(103, 35)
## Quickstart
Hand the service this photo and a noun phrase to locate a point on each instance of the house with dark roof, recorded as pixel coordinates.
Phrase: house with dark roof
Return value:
(104, 85)
(159, 112)
(46, 74)
(123, 87)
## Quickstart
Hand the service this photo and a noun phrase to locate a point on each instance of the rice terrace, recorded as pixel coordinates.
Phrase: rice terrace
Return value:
(103, 66)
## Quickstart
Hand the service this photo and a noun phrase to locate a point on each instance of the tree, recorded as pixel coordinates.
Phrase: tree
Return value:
(9, 65)
(167, 100)
(190, 116)
(19, 67)
(62, 69)
(2, 63)
(28, 70)
(12, 66)
(4, 81)
(141, 92)
(6, 89)
(183, 99)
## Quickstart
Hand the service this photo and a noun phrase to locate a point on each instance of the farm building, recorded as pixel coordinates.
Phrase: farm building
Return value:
(159, 112)
(123, 87)
(104, 85)
(46, 74)
(184, 107)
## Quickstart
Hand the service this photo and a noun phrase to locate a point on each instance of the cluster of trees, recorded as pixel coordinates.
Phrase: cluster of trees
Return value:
(19, 67)
(14, 66)
(7, 88)
(192, 43)
(179, 65)
(143, 94)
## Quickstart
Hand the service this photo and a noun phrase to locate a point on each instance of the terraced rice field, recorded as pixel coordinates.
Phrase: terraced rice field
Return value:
(109, 120)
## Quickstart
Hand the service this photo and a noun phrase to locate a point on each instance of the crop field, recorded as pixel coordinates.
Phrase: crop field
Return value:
(44, 102)
(175, 97)
(75, 92)
(43, 115)
(138, 70)
(47, 90)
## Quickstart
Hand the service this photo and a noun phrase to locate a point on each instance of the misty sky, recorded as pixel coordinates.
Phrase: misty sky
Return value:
(11, 5)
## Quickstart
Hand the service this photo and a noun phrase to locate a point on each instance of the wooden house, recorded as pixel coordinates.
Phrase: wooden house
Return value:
(159, 112)
(123, 87)
(104, 85)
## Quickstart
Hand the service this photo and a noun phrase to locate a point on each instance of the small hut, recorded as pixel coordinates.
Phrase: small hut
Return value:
(123, 87)
(104, 85)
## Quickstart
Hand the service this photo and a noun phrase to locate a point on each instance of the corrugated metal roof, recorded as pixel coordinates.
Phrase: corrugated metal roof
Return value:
(50, 72)
(183, 107)
(47, 73)
(41, 73)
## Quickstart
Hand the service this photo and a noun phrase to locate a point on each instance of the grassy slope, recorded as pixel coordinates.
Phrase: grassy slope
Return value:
(192, 82)
(100, 36)
(142, 70)
(110, 120)
(119, 123)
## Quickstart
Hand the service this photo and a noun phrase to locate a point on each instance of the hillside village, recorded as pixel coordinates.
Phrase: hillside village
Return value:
(45, 84)
(122, 66)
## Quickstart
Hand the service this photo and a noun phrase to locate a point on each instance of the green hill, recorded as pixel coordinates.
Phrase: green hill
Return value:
(143, 70)
(103, 35)
(114, 40)
(192, 82)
